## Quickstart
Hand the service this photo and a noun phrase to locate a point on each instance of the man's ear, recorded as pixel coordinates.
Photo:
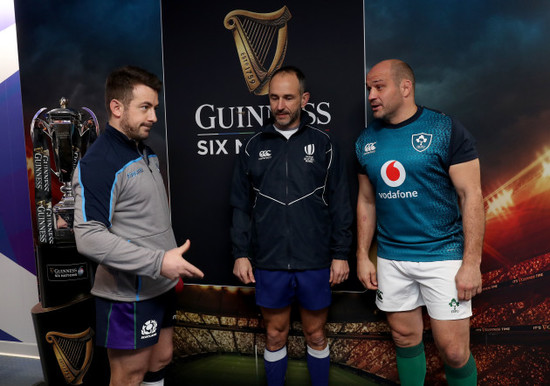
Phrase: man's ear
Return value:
(117, 108)
(305, 99)
(406, 87)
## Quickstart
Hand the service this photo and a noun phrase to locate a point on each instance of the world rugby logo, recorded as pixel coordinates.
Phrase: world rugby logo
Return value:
(393, 173)
(309, 150)
(149, 328)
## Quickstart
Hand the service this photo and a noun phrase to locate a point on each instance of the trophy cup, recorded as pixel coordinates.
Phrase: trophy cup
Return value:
(68, 133)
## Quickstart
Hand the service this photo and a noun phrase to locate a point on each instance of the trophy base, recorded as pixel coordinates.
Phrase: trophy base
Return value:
(63, 274)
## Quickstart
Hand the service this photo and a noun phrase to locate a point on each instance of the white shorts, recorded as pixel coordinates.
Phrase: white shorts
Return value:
(407, 285)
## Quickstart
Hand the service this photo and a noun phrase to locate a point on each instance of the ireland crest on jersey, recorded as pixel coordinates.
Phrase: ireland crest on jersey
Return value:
(421, 141)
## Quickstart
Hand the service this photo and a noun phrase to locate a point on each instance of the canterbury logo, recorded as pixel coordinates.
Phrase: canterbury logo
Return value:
(370, 147)
(309, 149)
(265, 154)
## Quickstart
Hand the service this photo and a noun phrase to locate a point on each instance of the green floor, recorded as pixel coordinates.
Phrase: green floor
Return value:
(220, 369)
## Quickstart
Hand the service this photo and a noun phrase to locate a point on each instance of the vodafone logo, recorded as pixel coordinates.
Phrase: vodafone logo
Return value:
(393, 173)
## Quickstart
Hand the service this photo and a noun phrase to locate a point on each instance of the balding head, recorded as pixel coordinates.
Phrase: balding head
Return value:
(391, 90)
(398, 70)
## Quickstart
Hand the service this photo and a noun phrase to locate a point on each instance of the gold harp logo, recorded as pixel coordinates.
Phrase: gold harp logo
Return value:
(73, 353)
(261, 40)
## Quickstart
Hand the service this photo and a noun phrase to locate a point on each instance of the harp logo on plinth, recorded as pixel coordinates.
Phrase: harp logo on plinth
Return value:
(261, 41)
(73, 353)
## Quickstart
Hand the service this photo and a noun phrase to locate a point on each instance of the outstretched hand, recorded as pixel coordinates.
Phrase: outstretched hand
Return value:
(174, 265)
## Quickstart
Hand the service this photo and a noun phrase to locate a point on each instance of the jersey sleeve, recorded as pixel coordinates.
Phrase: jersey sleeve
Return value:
(462, 145)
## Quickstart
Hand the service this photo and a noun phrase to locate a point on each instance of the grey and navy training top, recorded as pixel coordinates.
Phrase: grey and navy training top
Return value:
(122, 218)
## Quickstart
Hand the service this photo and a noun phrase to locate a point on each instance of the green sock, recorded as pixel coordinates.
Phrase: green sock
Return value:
(463, 376)
(411, 365)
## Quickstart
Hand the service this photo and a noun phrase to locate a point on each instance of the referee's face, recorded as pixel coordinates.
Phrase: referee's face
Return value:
(286, 100)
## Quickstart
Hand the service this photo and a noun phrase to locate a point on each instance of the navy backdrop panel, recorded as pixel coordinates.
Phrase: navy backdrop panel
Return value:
(210, 111)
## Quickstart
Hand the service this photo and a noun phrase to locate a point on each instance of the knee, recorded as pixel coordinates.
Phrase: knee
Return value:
(161, 360)
(276, 338)
(127, 377)
(455, 355)
(406, 338)
(316, 339)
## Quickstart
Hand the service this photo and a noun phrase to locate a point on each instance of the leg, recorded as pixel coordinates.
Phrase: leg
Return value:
(277, 323)
(452, 338)
(406, 328)
(314, 327)
(128, 366)
(162, 351)
(160, 358)
(318, 354)
(450, 321)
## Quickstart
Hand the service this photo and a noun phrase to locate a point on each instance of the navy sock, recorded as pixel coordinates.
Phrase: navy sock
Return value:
(275, 363)
(318, 364)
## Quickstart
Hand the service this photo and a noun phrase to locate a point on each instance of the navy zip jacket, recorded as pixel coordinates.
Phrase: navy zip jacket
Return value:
(291, 202)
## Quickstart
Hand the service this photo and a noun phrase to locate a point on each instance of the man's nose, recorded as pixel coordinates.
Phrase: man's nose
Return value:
(153, 115)
(372, 95)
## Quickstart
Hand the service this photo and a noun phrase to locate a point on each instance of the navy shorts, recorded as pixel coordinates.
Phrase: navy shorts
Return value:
(278, 289)
(133, 325)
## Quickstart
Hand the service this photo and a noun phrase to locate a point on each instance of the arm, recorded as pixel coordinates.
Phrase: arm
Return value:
(366, 225)
(241, 222)
(467, 182)
(341, 217)
(94, 239)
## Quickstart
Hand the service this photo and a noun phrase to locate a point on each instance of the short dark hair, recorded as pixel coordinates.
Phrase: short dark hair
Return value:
(296, 71)
(121, 82)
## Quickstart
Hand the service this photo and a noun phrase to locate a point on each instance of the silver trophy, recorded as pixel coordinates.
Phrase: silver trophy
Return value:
(66, 133)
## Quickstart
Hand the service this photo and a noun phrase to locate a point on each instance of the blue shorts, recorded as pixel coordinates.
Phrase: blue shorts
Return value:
(278, 289)
(133, 325)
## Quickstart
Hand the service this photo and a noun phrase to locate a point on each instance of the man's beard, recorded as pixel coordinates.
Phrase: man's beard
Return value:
(131, 132)
(291, 119)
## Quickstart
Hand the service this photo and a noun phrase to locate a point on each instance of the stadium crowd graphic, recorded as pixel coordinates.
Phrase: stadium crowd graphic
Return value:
(510, 324)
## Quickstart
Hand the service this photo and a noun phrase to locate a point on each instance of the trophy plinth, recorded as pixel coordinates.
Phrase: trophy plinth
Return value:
(62, 134)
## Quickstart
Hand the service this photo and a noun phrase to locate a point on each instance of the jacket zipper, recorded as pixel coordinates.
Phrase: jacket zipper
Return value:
(289, 265)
